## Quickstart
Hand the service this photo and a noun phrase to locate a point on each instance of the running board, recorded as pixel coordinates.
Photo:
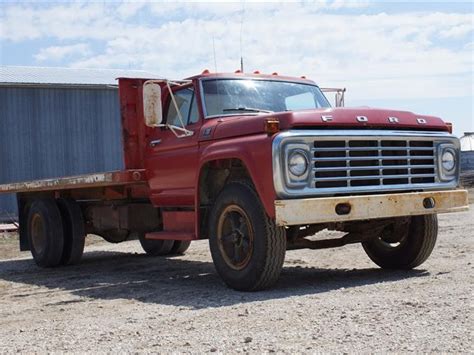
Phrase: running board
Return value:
(177, 225)
(166, 235)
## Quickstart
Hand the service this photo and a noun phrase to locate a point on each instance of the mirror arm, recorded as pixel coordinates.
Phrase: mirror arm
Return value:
(176, 129)
(176, 106)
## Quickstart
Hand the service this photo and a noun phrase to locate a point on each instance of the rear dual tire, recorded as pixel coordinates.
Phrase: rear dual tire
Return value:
(45, 233)
(74, 231)
(55, 230)
(163, 247)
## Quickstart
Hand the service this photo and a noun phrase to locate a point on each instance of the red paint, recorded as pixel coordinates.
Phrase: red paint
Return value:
(345, 117)
(255, 151)
(179, 221)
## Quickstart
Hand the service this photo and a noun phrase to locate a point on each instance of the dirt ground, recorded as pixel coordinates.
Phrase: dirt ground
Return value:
(332, 300)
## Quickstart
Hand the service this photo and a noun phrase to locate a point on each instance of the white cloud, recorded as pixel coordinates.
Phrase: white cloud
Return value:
(130, 8)
(68, 21)
(375, 55)
(458, 30)
(58, 53)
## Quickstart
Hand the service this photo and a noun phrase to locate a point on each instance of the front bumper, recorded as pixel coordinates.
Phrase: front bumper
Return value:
(352, 208)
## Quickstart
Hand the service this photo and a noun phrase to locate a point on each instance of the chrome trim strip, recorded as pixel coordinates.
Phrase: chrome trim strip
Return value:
(309, 136)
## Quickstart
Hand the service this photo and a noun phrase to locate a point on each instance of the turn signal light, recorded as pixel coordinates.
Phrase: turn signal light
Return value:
(450, 127)
(272, 126)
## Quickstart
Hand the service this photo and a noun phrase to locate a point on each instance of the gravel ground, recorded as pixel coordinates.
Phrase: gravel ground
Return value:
(332, 300)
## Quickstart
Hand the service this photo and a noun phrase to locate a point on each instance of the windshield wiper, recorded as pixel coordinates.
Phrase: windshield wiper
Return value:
(246, 109)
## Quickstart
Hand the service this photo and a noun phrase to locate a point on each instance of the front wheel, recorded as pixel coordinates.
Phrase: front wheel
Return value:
(406, 248)
(247, 248)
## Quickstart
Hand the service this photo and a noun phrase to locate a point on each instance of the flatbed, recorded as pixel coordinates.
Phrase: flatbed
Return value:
(106, 179)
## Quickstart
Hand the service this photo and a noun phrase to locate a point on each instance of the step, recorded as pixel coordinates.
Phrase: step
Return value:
(167, 235)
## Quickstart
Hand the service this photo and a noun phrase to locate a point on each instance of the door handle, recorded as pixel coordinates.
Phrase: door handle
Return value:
(155, 143)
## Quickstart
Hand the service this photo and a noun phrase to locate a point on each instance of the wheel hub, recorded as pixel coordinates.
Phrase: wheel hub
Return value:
(38, 234)
(235, 237)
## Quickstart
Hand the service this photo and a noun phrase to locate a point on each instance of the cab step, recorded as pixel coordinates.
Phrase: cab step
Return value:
(177, 225)
(167, 235)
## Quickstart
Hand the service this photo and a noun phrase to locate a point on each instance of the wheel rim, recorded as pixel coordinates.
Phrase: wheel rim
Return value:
(38, 235)
(390, 242)
(235, 237)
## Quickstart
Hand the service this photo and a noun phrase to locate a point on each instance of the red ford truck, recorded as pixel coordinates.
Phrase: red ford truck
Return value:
(257, 164)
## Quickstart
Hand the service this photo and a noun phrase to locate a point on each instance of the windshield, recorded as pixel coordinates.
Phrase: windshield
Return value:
(234, 96)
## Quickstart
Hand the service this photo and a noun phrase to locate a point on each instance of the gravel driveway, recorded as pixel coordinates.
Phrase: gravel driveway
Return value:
(329, 300)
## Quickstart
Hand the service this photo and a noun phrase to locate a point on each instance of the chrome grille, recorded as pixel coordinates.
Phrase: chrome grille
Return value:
(370, 162)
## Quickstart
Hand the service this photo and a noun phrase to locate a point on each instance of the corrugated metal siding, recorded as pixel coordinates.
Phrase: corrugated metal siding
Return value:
(467, 161)
(51, 132)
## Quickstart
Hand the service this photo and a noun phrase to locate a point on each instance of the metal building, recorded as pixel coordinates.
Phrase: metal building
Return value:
(58, 122)
(467, 159)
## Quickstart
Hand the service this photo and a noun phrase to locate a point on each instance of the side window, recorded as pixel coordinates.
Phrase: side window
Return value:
(187, 107)
(193, 114)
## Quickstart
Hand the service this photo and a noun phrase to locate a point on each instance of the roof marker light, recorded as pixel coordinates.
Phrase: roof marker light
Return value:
(303, 76)
(256, 72)
(238, 71)
(206, 71)
(274, 73)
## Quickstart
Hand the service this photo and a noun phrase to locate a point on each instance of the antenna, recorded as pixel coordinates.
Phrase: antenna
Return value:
(214, 49)
(241, 26)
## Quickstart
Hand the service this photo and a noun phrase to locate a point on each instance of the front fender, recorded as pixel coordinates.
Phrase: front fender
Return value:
(255, 152)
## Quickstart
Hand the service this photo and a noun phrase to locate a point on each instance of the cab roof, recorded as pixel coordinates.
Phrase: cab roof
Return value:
(238, 75)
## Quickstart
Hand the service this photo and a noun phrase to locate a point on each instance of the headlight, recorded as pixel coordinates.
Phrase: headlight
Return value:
(298, 164)
(448, 160)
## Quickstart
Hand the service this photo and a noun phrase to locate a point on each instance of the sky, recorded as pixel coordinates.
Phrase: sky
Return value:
(414, 55)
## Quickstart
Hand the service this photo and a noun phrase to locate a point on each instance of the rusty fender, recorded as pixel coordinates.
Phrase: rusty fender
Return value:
(351, 208)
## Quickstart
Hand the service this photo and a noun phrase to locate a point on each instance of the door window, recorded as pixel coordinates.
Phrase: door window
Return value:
(186, 102)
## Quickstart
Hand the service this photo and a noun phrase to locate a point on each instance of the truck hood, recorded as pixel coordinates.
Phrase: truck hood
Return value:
(332, 118)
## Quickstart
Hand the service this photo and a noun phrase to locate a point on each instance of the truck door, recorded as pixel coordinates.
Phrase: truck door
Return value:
(172, 162)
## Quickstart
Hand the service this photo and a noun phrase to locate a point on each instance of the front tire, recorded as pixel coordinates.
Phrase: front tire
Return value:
(247, 248)
(410, 248)
(45, 233)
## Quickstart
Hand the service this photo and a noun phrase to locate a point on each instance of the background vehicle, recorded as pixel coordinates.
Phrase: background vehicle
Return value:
(256, 164)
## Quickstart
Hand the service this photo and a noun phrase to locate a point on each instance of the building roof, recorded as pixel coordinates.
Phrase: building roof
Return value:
(67, 76)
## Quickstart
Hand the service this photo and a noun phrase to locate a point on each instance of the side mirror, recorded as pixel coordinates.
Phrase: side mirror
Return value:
(152, 107)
